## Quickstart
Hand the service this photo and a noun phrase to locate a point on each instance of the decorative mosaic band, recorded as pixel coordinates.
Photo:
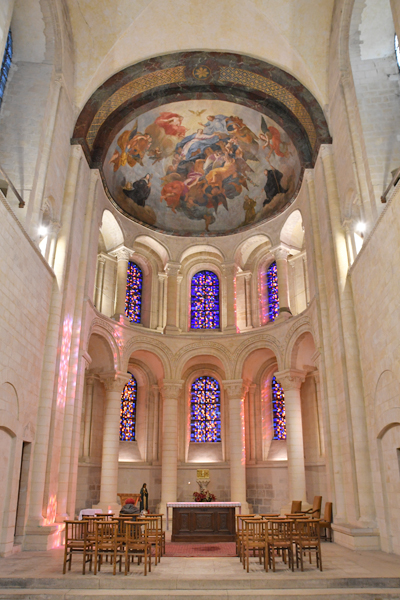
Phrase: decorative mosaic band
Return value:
(177, 75)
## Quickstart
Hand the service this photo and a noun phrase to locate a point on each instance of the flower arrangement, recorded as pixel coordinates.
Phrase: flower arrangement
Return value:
(204, 496)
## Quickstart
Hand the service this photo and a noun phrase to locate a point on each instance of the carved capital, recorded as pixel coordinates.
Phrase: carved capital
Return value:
(122, 253)
(172, 268)
(281, 253)
(76, 151)
(115, 381)
(325, 151)
(309, 175)
(229, 269)
(233, 388)
(290, 379)
(171, 389)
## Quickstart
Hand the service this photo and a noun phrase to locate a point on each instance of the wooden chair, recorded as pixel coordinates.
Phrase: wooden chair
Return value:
(137, 544)
(254, 531)
(107, 543)
(308, 540)
(326, 522)
(159, 516)
(279, 537)
(77, 541)
(154, 535)
(315, 511)
(124, 497)
(239, 532)
(296, 506)
(105, 516)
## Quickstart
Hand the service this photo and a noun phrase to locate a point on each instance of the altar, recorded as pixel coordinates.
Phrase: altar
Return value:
(203, 521)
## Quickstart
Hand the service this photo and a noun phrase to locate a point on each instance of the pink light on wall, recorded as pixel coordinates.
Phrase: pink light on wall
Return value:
(64, 361)
(51, 510)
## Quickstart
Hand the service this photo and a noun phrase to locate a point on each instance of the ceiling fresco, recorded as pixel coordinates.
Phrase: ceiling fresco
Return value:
(201, 144)
(202, 166)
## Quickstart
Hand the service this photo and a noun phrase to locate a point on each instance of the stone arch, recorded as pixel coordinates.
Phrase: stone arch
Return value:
(294, 336)
(201, 348)
(108, 333)
(259, 342)
(154, 347)
(111, 231)
(9, 401)
(292, 232)
(387, 398)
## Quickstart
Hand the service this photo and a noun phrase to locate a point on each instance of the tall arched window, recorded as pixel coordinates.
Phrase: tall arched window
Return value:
(273, 297)
(278, 410)
(205, 417)
(205, 301)
(128, 411)
(133, 299)
(5, 66)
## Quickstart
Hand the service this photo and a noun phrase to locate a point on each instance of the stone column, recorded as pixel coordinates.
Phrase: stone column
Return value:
(87, 433)
(40, 453)
(229, 272)
(172, 270)
(122, 255)
(114, 385)
(98, 299)
(281, 255)
(161, 301)
(234, 390)
(317, 391)
(305, 275)
(363, 508)
(6, 11)
(253, 423)
(291, 381)
(156, 424)
(169, 469)
(247, 296)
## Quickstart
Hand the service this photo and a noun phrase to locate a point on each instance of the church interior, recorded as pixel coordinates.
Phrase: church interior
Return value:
(200, 242)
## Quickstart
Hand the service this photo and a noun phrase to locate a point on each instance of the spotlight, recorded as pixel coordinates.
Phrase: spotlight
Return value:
(361, 227)
(42, 231)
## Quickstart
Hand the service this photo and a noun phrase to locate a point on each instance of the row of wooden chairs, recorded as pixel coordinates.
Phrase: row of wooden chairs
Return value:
(315, 513)
(123, 537)
(269, 535)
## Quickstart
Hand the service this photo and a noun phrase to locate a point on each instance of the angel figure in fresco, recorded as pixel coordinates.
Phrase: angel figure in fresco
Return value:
(132, 148)
(272, 138)
(166, 131)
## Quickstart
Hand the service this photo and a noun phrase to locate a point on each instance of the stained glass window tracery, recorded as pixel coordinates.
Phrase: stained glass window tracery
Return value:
(128, 411)
(133, 298)
(5, 66)
(205, 415)
(205, 301)
(278, 410)
(272, 286)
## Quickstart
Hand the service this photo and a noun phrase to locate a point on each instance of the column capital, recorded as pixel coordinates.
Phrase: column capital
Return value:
(162, 276)
(114, 381)
(309, 175)
(290, 379)
(172, 268)
(122, 253)
(233, 388)
(325, 150)
(171, 388)
(76, 151)
(280, 252)
(229, 268)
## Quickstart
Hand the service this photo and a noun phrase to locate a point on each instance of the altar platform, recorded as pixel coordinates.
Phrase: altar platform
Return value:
(347, 574)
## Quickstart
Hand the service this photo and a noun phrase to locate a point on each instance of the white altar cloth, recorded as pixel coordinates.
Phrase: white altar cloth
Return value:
(202, 504)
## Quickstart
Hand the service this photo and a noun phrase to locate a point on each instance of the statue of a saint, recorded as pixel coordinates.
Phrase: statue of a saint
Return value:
(144, 498)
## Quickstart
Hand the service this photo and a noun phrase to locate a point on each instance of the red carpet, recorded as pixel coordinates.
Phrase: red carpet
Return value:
(187, 549)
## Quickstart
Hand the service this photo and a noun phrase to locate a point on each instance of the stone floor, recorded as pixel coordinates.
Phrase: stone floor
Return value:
(347, 574)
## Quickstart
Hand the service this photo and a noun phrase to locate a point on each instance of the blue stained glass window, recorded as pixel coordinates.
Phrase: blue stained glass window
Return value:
(133, 298)
(273, 297)
(205, 416)
(128, 411)
(5, 67)
(205, 301)
(278, 409)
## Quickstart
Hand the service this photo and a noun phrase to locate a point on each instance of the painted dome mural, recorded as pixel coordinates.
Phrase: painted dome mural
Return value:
(199, 143)
(202, 166)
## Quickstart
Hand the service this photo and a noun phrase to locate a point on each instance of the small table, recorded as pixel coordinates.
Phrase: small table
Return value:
(203, 521)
